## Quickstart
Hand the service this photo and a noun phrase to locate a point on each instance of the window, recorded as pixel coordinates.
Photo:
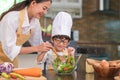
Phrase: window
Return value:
(5, 5)
(17, 1)
(65, 5)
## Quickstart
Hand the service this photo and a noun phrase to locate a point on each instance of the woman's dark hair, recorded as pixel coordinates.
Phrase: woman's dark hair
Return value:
(62, 37)
(21, 5)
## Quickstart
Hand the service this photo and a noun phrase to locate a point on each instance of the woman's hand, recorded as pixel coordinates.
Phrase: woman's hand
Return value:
(44, 47)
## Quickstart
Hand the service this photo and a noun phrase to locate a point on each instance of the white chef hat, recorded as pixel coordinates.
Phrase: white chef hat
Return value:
(62, 24)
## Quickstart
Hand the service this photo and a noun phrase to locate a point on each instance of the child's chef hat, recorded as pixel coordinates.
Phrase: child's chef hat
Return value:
(62, 24)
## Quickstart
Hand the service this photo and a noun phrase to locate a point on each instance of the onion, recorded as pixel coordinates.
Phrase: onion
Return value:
(6, 67)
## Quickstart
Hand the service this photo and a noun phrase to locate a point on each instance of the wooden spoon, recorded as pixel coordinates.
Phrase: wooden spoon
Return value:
(68, 57)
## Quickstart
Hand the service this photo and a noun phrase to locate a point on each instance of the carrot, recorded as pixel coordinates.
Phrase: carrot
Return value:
(34, 72)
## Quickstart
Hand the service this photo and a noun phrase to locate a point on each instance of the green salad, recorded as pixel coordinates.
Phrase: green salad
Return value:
(66, 67)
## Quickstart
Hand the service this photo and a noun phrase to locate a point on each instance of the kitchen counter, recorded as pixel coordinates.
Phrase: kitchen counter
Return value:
(80, 73)
(77, 75)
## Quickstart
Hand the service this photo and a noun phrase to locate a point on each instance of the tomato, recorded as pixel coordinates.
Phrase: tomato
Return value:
(65, 69)
(13, 76)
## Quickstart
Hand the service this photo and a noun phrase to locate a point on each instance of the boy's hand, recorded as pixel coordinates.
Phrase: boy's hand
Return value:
(71, 50)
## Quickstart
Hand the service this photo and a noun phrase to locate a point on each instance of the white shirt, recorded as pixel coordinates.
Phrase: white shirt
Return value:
(8, 28)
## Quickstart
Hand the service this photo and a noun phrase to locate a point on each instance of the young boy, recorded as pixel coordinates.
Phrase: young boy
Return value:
(61, 35)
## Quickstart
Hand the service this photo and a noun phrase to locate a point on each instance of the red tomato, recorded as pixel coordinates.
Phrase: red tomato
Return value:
(13, 76)
(65, 69)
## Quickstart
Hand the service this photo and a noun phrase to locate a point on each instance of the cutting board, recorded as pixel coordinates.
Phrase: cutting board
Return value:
(28, 78)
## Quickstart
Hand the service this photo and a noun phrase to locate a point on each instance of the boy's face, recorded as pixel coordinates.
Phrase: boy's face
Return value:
(60, 44)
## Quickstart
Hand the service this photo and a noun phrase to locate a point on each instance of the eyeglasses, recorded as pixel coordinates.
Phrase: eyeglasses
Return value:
(64, 41)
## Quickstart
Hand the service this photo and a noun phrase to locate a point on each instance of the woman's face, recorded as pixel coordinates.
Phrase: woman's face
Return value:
(37, 10)
(60, 44)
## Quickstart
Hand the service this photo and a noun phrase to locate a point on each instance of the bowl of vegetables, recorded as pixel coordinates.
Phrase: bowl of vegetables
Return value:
(64, 68)
(67, 67)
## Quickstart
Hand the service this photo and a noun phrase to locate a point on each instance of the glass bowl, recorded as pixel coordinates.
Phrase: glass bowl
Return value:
(65, 68)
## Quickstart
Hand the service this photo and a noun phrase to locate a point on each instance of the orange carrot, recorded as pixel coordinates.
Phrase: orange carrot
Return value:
(34, 72)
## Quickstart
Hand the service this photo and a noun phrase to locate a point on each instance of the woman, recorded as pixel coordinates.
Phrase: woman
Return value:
(19, 24)
(61, 35)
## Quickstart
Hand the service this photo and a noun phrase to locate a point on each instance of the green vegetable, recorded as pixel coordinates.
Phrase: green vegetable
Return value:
(59, 69)
(64, 67)
(5, 75)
